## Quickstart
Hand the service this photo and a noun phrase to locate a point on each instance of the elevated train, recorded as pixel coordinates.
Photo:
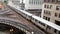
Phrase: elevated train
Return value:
(49, 27)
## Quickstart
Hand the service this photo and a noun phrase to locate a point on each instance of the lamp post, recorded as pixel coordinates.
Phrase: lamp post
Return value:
(11, 30)
(32, 32)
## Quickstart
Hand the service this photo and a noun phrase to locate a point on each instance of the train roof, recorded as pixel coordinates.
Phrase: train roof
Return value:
(40, 19)
(26, 12)
(47, 22)
(23, 11)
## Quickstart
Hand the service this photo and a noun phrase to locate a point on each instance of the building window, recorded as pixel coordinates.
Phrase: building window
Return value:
(53, 0)
(44, 11)
(43, 17)
(45, 6)
(48, 19)
(50, 6)
(30, 2)
(48, 0)
(47, 12)
(55, 14)
(36, 2)
(57, 7)
(44, 0)
(59, 15)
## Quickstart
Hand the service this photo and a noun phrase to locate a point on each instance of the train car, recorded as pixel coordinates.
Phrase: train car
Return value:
(49, 27)
(52, 28)
(37, 21)
(24, 13)
(27, 15)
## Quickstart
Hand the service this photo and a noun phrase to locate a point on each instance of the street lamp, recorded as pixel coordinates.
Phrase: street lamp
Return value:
(11, 30)
(32, 32)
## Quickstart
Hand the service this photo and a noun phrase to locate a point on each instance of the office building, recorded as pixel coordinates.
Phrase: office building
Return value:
(51, 11)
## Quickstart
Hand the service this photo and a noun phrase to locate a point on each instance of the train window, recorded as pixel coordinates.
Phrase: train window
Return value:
(41, 23)
(43, 17)
(55, 30)
(35, 20)
(32, 18)
(49, 27)
(26, 15)
(59, 32)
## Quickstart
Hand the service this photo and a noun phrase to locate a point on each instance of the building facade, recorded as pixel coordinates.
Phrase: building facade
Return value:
(51, 11)
(16, 2)
(33, 6)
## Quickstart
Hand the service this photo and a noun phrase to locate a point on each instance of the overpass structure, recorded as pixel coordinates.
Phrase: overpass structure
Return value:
(10, 17)
(15, 23)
